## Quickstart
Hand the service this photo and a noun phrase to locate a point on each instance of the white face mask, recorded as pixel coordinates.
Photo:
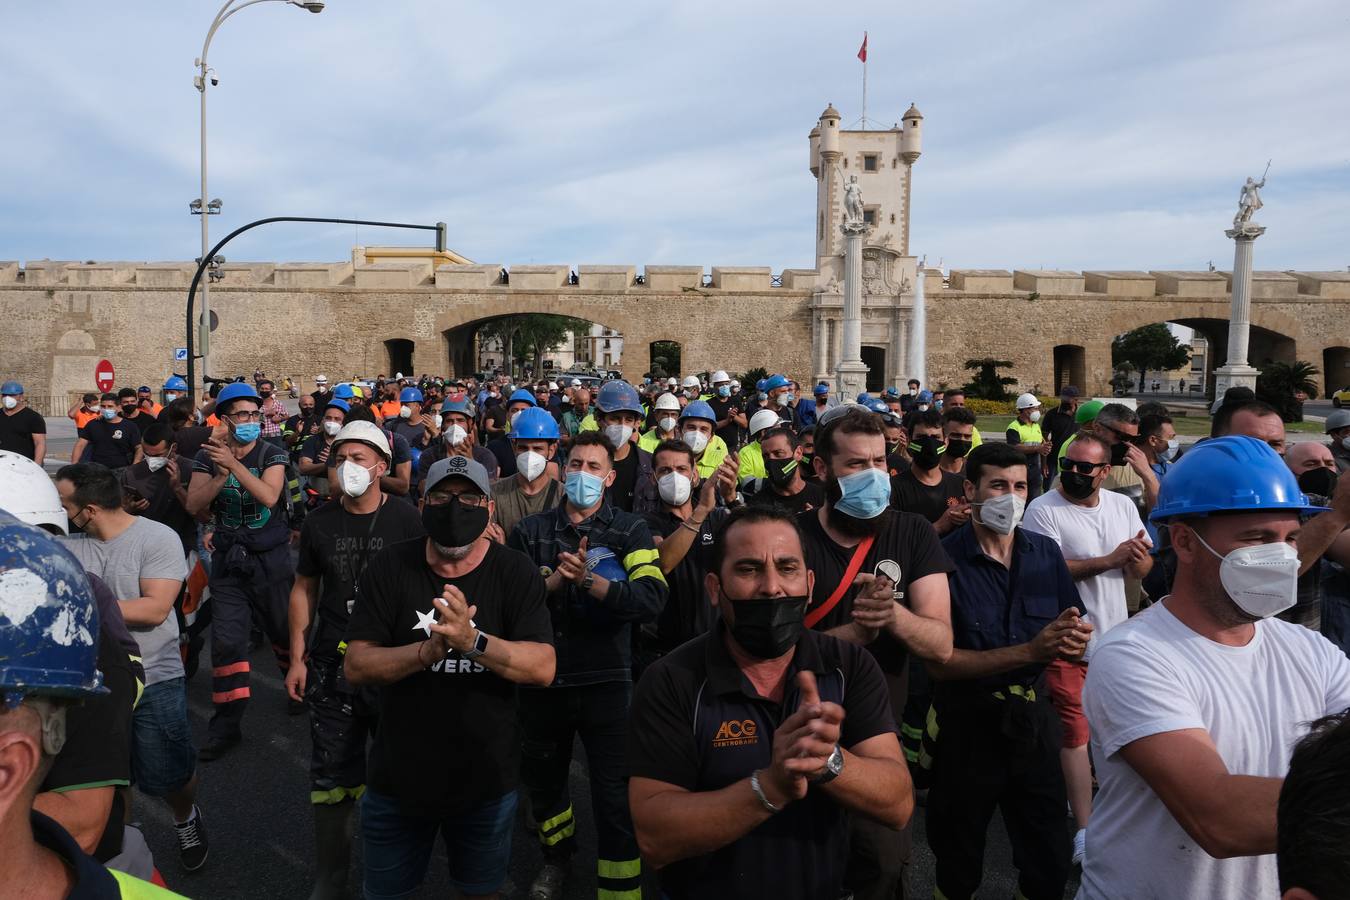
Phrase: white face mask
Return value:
(530, 464)
(674, 488)
(156, 462)
(1345, 442)
(439, 419)
(515, 415)
(923, 407)
(667, 424)
(696, 440)
(1261, 579)
(1170, 453)
(354, 478)
(618, 434)
(1035, 416)
(456, 435)
(10, 402)
(331, 428)
(405, 411)
(170, 397)
(1002, 513)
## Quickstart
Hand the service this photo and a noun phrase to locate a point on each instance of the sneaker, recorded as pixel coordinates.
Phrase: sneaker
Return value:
(192, 845)
(548, 884)
(1079, 846)
(216, 747)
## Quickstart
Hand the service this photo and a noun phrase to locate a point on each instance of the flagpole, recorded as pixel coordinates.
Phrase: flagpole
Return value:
(864, 105)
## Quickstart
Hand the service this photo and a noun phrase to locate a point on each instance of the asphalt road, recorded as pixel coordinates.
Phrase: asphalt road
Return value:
(256, 806)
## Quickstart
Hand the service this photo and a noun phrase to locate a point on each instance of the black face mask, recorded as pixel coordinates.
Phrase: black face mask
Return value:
(1076, 484)
(925, 451)
(780, 471)
(453, 524)
(768, 627)
(1118, 452)
(958, 448)
(1321, 481)
(128, 409)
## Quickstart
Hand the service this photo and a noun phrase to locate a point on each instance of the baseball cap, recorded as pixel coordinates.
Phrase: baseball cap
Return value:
(457, 466)
(1068, 391)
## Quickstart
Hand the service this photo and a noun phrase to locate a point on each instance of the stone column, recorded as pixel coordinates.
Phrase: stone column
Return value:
(896, 358)
(851, 372)
(1236, 372)
(820, 338)
(918, 333)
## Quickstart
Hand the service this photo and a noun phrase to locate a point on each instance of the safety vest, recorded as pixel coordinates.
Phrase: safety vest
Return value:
(133, 888)
(975, 439)
(649, 440)
(1029, 433)
(713, 455)
(752, 462)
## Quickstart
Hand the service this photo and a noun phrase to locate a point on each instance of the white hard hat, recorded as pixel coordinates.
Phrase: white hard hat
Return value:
(720, 376)
(576, 382)
(398, 376)
(765, 418)
(735, 383)
(667, 401)
(553, 385)
(690, 381)
(320, 379)
(28, 493)
(672, 381)
(366, 433)
(1027, 401)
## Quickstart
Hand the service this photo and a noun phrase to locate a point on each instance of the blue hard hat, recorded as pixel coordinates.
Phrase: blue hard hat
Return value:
(534, 425)
(237, 390)
(892, 393)
(876, 405)
(457, 405)
(774, 382)
(174, 383)
(863, 397)
(699, 410)
(925, 397)
(1234, 473)
(344, 392)
(603, 562)
(618, 396)
(11, 387)
(820, 389)
(410, 395)
(49, 643)
(343, 405)
(522, 395)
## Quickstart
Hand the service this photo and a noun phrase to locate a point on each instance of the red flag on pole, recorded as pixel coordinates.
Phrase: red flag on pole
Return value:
(862, 51)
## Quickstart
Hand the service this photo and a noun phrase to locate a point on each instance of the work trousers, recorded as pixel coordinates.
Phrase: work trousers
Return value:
(245, 586)
(341, 720)
(878, 855)
(1005, 755)
(552, 718)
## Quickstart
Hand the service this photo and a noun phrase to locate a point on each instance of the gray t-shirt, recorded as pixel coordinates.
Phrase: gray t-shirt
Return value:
(146, 549)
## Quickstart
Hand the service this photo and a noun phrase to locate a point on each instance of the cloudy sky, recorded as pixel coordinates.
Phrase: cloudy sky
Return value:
(1056, 135)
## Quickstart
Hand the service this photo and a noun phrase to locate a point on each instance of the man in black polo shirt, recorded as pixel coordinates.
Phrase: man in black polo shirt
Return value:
(22, 430)
(750, 748)
(924, 488)
(111, 440)
(993, 737)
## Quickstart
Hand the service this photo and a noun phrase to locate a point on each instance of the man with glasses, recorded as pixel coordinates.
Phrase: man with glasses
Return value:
(446, 628)
(242, 480)
(1104, 543)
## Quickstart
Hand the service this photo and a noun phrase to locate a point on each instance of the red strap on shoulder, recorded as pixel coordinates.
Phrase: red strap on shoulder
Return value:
(854, 564)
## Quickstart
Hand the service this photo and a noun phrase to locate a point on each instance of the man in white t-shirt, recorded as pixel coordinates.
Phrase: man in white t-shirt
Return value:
(1104, 542)
(1196, 703)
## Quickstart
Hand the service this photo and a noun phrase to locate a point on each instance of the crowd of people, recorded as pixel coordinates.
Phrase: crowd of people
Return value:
(776, 619)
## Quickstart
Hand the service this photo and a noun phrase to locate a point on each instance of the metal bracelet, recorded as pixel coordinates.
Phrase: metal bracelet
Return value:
(759, 793)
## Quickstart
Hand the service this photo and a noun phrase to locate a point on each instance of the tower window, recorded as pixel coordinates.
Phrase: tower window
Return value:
(869, 161)
(869, 217)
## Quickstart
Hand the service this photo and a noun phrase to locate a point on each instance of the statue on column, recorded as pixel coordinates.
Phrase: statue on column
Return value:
(1249, 200)
(853, 203)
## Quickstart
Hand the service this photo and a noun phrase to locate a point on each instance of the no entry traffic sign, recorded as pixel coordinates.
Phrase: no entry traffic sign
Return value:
(103, 376)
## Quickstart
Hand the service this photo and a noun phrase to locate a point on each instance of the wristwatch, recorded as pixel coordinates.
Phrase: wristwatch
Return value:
(588, 581)
(480, 645)
(834, 764)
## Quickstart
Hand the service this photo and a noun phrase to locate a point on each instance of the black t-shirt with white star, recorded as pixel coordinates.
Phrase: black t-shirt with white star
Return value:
(448, 738)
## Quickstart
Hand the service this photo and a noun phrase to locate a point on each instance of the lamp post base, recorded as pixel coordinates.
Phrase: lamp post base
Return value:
(1234, 376)
(850, 379)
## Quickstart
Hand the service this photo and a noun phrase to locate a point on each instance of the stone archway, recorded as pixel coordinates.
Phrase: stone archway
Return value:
(1335, 369)
(73, 364)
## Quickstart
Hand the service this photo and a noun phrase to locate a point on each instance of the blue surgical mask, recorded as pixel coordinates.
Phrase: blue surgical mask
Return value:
(247, 433)
(864, 494)
(724, 390)
(584, 489)
(108, 414)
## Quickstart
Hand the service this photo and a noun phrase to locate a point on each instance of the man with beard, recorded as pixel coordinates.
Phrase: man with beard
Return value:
(924, 488)
(452, 625)
(881, 581)
(783, 487)
(958, 429)
(336, 542)
(752, 747)
(1104, 543)
(602, 576)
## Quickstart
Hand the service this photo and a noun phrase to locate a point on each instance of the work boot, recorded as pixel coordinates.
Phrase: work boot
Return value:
(333, 850)
(216, 747)
(548, 884)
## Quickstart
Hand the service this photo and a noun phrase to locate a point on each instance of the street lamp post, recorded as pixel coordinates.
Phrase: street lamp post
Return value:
(202, 207)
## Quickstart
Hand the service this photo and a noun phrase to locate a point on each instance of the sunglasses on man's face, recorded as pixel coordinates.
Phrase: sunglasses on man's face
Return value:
(1081, 466)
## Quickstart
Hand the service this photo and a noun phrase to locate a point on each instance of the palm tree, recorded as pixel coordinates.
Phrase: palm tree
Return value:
(1286, 385)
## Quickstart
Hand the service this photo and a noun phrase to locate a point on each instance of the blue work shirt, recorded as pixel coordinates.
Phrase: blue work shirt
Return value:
(995, 606)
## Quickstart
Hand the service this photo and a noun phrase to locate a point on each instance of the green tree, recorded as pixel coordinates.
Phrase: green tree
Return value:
(665, 357)
(1149, 347)
(987, 383)
(750, 377)
(1286, 385)
(530, 336)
